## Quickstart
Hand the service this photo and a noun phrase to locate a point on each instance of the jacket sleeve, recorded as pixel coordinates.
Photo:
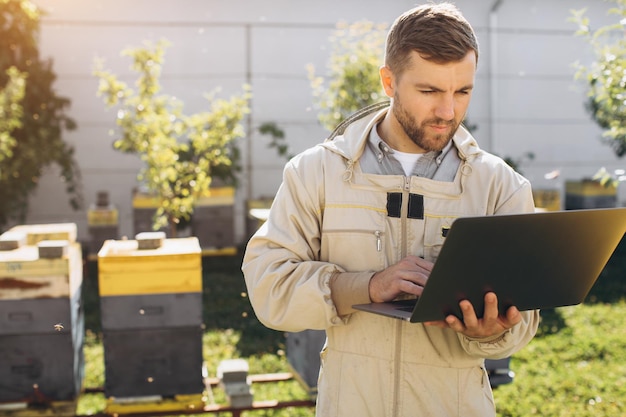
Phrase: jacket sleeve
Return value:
(288, 286)
(520, 335)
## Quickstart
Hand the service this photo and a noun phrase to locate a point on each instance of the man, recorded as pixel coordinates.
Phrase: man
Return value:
(362, 217)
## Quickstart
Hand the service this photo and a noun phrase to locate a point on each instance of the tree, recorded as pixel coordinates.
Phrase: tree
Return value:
(11, 112)
(353, 80)
(37, 138)
(181, 154)
(606, 75)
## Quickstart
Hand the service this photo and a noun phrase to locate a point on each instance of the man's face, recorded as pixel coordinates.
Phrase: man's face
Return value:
(430, 100)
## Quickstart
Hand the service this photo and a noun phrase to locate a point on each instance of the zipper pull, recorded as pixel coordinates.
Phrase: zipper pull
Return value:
(379, 243)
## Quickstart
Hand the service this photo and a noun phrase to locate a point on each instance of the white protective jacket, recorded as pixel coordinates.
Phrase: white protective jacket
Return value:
(328, 232)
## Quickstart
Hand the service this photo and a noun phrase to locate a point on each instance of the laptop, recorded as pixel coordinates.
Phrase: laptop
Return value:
(531, 261)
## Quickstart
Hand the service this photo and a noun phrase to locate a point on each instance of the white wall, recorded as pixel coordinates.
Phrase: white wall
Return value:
(525, 100)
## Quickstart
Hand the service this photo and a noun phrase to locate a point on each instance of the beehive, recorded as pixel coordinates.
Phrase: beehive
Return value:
(41, 315)
(23, 274)
(213, 218)
(102, 221)
(35, 233)
(175, 267)
(151, 312)
(588, 194)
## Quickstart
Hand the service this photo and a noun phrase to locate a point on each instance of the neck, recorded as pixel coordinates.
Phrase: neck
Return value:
(393, 134)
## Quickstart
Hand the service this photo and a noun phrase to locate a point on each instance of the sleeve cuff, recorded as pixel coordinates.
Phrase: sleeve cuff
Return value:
(349, 288)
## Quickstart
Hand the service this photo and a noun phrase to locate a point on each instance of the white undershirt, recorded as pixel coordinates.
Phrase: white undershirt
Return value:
(407, 160)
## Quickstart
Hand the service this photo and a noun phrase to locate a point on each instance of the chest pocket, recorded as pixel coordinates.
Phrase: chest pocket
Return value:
(436, 230)
(354, 237)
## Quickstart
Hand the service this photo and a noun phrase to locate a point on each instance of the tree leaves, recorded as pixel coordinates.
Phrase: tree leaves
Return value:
(37, 139)
(181, 153)
(351, 81)
(606, 76)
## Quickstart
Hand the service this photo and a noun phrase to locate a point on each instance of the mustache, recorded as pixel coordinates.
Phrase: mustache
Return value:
(438, 122)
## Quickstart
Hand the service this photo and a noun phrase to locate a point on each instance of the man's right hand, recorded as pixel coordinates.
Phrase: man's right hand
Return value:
(407, 276)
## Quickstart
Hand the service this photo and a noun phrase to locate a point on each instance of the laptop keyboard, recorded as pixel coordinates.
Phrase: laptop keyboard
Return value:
(405, 305)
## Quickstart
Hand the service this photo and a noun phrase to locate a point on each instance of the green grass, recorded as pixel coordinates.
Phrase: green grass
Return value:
(580, 370)
(576, 366)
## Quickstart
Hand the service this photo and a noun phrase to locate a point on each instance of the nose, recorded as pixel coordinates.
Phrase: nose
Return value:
(445, 107)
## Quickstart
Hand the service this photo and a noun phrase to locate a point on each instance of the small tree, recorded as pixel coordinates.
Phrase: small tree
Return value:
(181, 154)
(36, 126)
(11, 112)
(606, 76)
(353, 80)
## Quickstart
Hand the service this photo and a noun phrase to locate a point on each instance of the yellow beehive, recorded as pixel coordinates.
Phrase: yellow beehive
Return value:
(588, 194)
(588, 188)
(99, 216)
(216, 196)
(175, 267)
(35, 233)
(24, 274)
(547, 200)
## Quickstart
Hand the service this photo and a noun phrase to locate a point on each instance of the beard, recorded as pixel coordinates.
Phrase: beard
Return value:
(417, 132)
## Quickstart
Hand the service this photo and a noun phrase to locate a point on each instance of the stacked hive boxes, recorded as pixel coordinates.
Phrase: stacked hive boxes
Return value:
(144, 208)
(151, 312)
(102, 220)
(303, 355)
(589, 194)
(41, 318)
(213, 218)
(212, 221)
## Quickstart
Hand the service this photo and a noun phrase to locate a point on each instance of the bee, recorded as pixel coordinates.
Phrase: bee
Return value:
(58, 327)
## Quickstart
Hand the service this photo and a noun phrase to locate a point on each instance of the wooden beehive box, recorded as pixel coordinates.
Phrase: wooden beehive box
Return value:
(213, 218)
(149, 362)
(35, 233)
(175, 267)
(589, 194)
(26, 275)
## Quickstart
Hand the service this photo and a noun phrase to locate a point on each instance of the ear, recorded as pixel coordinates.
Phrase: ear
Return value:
(387, 80)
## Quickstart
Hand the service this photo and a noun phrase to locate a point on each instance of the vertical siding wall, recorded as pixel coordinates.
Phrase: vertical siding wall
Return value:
(525, 98)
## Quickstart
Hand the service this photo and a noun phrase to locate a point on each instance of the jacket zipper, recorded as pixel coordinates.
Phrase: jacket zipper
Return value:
(404, 215)
(377, 234)
(403, 252)
(379, 243)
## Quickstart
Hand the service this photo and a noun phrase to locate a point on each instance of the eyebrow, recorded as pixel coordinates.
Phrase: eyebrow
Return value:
(423, 86)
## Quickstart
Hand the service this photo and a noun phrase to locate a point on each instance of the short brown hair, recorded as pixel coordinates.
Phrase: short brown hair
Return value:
(438, 32)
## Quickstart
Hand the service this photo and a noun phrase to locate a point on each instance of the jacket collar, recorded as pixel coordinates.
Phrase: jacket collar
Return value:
(350, 137)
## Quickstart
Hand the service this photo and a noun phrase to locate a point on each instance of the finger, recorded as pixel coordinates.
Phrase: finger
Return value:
(491, 307)
(469, 315)
(411, 287)
(513, 315)
(415, 277)
(423, 263)
(455, 324)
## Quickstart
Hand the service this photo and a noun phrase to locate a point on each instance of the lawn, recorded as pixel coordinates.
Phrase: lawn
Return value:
(576, 366)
